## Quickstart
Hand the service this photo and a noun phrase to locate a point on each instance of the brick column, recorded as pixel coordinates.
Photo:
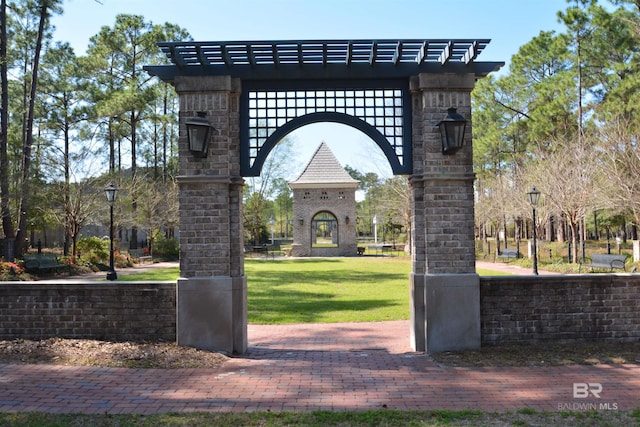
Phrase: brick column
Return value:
(444, 286)
(212, 289)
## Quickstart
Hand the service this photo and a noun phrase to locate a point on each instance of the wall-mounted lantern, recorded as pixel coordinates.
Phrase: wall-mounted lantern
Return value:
(300, 220)
(452, 129)
(347, 219)
(198, 134)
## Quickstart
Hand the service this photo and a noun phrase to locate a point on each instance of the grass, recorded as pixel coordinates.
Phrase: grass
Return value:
(484, 272)
(152, 274)
(320, 290)
(524, 417)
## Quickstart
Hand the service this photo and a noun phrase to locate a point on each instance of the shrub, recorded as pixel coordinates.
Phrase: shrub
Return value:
(166, 248)
(10, 270)
(121, 260)
(93, 249)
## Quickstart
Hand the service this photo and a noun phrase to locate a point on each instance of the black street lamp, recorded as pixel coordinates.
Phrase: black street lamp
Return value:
(534, 197)
(110, 191)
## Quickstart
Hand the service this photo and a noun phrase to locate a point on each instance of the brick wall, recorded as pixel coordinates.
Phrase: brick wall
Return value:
(110, 311)
(513, 310)
(560, 308)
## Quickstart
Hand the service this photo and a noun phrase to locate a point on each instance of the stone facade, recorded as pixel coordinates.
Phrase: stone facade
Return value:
(324, 186)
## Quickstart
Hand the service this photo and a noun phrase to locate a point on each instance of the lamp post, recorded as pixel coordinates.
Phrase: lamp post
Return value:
(272, 222)
(110, 191)
(375, 229)
(534, 197)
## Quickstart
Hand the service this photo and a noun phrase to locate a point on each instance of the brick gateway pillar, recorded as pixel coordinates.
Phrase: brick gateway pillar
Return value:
(394, 91)
(445, 295)
(212, 288)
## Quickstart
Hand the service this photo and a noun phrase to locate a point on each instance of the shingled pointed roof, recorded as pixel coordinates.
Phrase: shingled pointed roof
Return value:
(324, 170)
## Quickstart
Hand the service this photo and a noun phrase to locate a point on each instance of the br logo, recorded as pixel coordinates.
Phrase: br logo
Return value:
(582, 390)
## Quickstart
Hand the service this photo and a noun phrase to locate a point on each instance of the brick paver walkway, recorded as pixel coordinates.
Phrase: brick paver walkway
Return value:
(354, 366)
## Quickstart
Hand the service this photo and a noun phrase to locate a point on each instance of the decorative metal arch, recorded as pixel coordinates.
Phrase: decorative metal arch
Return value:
(381, 110)
(275, 67)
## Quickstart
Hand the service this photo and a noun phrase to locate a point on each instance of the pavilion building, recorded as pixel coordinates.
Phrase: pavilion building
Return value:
(324, 208)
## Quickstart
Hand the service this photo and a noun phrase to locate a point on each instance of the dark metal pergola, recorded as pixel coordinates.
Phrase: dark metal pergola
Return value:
(289, 84)
(323, 59)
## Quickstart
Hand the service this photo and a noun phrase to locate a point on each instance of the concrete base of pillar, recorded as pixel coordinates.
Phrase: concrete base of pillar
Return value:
(212, 313)
(448, 317)
(417, 333)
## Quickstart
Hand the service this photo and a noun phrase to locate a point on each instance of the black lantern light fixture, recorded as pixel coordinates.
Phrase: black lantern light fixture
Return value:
(534, 198)
(110, 191)
(198, 131)
(452, 129)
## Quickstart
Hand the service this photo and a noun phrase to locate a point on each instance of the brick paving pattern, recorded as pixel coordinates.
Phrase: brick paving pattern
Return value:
(354, 366)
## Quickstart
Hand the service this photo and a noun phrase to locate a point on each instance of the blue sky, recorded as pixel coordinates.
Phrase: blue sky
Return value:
(508, 23)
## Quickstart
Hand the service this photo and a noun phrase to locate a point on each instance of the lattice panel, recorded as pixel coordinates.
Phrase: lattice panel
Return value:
(380, 108)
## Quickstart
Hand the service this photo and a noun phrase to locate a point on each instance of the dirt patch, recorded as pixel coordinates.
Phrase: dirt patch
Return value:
(543, 355)
(81, 352)
(171, 356)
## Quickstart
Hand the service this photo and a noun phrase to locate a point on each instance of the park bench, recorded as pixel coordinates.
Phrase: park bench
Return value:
(381, 248)
(138, 254)
(606, 261)
(44, 262)
(360, 250)
(267, 250)
(509, 253)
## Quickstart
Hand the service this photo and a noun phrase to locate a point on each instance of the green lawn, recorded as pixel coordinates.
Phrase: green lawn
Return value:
(321, 290)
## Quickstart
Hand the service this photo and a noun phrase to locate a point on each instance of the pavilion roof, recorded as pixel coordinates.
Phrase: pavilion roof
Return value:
(324, 168)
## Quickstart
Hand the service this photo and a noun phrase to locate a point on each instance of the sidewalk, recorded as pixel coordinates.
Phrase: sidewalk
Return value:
(102, 275)
(347, 366)
(512, 268)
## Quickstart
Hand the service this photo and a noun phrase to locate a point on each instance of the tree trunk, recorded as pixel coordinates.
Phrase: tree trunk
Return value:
(28, 141)
(574, 241)
(133, 244)
(67, 196)
(165, 138)
(7, 222)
